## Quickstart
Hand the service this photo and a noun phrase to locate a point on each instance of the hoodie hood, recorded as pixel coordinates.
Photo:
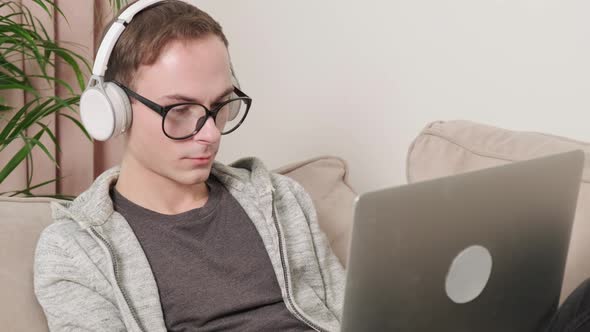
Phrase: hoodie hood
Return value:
(94, 206)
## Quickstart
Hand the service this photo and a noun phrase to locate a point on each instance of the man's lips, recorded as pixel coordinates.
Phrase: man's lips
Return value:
(198, 160)
(196, 156)
(206, 157)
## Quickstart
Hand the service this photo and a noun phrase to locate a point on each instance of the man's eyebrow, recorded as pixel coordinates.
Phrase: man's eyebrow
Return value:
(183, 98)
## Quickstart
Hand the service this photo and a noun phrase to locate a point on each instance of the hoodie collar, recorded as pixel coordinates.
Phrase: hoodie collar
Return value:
(94, 206)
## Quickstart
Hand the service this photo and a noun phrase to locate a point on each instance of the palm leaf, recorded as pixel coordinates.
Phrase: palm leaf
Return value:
(15, 124)
(50, 106)
(12, 123)
(29, 188)
(31, 113)
(27, 191)
(18, 157)
(3, 107)
(51, 136)
(77, 123)
(52, 4)
(34, 141)
(118, 4)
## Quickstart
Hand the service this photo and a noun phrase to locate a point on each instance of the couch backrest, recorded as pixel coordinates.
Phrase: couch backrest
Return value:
(446, 148)
(23, 219)
(326, 181)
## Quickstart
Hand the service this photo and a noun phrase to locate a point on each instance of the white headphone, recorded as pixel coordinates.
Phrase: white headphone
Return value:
(105, 109)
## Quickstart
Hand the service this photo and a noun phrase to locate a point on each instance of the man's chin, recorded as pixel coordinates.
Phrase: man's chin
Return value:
(193, 176)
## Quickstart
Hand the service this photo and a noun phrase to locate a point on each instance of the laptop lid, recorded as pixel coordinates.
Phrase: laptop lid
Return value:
(478, 251)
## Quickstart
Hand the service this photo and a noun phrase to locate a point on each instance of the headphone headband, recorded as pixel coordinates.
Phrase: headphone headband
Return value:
(110, 39)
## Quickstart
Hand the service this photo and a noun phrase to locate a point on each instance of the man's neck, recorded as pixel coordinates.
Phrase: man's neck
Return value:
(157, 193)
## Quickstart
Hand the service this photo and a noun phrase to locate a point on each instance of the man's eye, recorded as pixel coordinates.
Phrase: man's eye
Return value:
(180, 109)
(224, 99)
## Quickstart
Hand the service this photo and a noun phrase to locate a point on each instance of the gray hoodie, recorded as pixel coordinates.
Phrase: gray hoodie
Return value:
(91, 273)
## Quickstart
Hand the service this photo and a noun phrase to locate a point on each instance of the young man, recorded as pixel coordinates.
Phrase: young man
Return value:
(172, 240)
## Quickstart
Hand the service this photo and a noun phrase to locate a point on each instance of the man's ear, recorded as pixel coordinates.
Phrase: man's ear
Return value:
(125, 136)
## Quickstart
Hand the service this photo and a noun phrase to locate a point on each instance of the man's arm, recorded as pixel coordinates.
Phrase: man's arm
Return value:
(333, 273)
(69, 290)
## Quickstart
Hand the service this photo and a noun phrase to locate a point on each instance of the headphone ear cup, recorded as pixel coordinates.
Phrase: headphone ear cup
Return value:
(96, 113)
(105, 111)
(121, 107)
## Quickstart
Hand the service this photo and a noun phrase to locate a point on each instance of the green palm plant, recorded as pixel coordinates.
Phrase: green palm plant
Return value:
(118, 4)
(23, 37)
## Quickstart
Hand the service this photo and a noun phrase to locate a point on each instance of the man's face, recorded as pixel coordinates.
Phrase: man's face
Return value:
(186, 71)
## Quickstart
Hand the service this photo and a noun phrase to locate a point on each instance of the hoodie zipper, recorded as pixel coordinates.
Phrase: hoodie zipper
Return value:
(116, 271)
(285, 275)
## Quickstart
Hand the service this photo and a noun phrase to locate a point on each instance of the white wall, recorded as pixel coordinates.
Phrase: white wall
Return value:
(360, 79)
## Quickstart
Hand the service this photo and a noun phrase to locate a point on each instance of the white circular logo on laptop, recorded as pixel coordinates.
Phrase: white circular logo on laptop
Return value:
(469, 274)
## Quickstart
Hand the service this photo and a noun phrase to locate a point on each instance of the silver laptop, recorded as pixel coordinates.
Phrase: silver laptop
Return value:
(480, 251)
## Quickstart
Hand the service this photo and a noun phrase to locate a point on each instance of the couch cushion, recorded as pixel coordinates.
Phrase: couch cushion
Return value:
(21, 222)
(325, 179)
(23, 219)
(446, 148)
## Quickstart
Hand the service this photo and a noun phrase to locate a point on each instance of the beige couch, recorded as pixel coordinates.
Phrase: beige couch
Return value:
(441, 149)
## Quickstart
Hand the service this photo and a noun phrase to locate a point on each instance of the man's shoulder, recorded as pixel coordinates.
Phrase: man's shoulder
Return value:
(64, 235)
(61, 233)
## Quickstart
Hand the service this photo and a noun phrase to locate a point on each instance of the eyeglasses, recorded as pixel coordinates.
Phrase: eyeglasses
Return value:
(183, 120)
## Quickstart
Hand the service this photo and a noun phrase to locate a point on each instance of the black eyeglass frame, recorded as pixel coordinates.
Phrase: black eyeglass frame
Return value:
(163, 110)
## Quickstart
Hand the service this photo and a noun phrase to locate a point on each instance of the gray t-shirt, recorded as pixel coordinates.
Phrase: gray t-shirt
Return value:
(212, 270)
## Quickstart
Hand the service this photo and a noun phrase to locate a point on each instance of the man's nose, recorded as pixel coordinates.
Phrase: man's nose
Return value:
(209, 132)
